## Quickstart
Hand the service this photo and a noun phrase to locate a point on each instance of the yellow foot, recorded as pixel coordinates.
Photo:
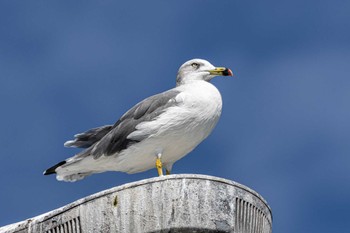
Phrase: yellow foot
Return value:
(159, 167)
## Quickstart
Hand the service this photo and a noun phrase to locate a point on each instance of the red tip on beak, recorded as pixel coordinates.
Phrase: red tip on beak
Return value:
(227, 72)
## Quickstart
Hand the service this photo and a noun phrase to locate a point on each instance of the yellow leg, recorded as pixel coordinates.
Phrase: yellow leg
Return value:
(167, 172)
(159, 167)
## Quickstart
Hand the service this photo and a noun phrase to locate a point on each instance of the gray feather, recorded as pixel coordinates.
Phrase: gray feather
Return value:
(88, 138)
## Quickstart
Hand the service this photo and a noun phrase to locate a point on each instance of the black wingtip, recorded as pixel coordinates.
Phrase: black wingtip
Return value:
(52, 169)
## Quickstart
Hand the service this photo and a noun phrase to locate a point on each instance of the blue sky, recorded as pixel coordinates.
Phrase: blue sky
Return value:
(67, 66)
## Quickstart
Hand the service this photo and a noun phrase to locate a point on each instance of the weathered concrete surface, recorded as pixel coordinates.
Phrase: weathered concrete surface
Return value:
(175, 203)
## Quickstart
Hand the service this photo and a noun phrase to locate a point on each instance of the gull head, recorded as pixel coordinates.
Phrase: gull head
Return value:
(199, 69)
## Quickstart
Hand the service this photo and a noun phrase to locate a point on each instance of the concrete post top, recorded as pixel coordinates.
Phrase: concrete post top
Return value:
(178, 177)
(172, 203)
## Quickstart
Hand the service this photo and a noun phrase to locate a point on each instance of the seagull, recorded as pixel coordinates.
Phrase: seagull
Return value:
(155, 133)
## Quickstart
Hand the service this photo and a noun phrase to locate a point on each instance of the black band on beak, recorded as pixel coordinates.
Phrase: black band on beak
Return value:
(227, 72)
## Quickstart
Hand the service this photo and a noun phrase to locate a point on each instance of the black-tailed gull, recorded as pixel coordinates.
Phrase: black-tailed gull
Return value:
(156, 132)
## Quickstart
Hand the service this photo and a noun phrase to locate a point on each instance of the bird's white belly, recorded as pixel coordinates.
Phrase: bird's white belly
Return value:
(172, 147)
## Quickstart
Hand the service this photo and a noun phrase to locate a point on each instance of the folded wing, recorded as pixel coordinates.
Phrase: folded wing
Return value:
(108, 140)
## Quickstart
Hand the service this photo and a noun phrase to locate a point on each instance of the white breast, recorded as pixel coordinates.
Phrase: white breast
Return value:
(202, 102)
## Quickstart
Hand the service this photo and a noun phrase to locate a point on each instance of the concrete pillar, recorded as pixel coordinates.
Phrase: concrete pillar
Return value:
(174, 203)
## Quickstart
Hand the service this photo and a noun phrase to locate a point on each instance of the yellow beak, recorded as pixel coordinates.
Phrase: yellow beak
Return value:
(222, 71)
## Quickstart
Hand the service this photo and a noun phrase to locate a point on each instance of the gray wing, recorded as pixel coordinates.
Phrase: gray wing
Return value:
(115, 140)
(88, 138)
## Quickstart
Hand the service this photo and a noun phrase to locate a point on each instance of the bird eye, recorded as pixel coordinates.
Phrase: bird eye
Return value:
(195, 65)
